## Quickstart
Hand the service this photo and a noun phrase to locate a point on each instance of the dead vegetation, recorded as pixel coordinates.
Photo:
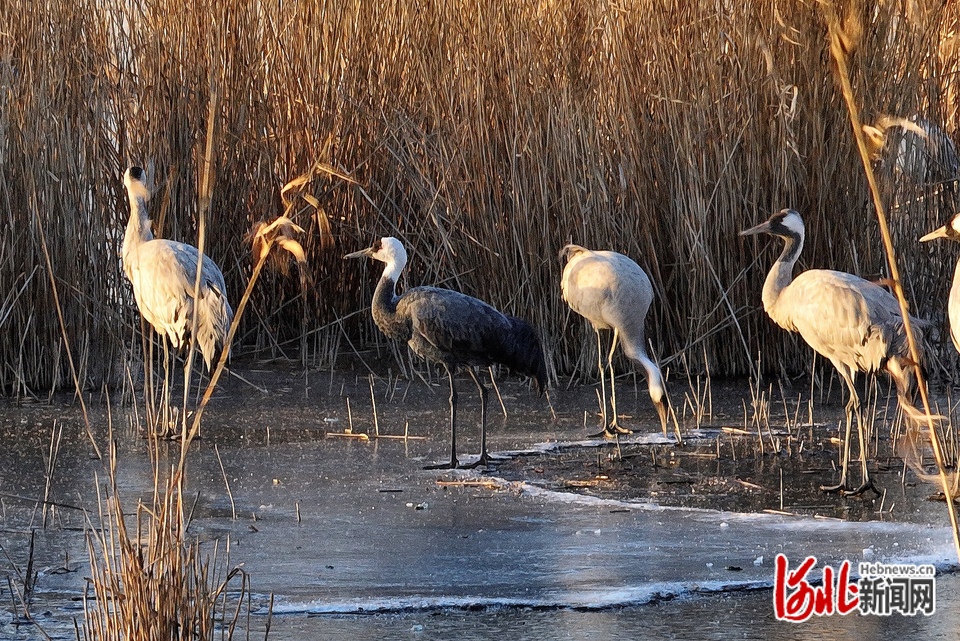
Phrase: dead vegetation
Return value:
(484, 136)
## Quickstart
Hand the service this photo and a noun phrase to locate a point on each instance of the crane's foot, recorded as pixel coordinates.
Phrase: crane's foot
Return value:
(452, 465)
(610, 431)
(867, 485)
(169, 434)
(840, 488)
(486, 460)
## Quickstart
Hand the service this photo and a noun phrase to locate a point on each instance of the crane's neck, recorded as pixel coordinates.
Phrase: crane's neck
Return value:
(138, 227)
(385, 301)
(781, 274)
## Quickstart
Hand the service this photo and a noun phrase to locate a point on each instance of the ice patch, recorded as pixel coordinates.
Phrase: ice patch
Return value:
(615, 597)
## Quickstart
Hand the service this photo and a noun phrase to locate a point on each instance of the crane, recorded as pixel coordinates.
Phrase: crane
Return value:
(613, 292)
(163, 274)
(951, 231)
(915, 153)
(852, 322)
(453, 330)
(917, 148)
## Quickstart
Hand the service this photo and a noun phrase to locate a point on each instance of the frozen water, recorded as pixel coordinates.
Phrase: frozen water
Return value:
(337, 528)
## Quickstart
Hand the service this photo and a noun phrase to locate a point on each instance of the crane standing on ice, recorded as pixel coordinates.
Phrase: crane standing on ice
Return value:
(454, 330)
(163, 274)
(613, 292)
(852, 322)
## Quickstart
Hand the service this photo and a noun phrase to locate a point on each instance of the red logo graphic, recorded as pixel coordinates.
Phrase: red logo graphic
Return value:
(795, 600)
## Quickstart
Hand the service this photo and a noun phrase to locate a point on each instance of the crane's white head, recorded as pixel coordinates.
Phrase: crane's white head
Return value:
(876, 140)
(388, 250)
(950, 231)
(134, 180)
(786, 223)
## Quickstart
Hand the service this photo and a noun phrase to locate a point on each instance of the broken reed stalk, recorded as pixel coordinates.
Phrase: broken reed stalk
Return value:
(840, 41)
(266, 238)
(206, 196)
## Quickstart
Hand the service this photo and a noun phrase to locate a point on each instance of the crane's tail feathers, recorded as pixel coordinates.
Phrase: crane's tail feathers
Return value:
(912, 445)
(520, 350)
(901, 365)
(214, 316)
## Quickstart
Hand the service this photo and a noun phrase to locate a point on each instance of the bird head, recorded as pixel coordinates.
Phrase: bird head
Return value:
(786, 223)
(950, 231)
(386, 250)
(875, 139)
(569, 251)
(134, 180)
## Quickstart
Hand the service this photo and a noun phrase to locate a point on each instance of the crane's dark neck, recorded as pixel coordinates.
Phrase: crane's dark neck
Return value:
(384, 305)
(781, 274)
(138, 232)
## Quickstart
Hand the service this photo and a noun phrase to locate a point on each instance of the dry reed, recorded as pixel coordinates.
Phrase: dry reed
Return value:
(155, 582)
(149, 578)
(484, 135)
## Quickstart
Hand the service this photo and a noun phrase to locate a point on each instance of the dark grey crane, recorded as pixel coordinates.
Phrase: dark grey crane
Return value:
(454, 330)
(613, 292)
(852, 322)
(951, 231)
(914, 153)
(164, 274)
(918, 149)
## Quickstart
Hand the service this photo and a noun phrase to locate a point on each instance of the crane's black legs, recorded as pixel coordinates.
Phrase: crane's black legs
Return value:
(867, 483)
(852, 410)
(603, 383)
(610, 428)
(841, 487)
(483, 416)
(614, 423)
(454, 463)
(485, 458)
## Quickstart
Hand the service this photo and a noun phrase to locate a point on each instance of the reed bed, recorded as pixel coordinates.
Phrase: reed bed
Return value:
(484, 135)
(150, 578)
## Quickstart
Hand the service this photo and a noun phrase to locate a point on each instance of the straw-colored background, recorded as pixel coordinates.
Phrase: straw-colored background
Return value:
(485, 135)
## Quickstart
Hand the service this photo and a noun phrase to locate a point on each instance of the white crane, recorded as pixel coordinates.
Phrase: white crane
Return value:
(164, 274)
(951, 231)
(852, 322)
(613, 292)
(454, 330)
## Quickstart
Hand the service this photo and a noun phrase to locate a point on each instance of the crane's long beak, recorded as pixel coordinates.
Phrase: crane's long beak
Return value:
(662, 413)
(762, 228)
(360, 254)
(940, 232)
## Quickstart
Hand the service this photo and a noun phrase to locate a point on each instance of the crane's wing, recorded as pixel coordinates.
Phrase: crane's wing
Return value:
(845, 318)
(459, 327)
(607, 288)
(163, 277)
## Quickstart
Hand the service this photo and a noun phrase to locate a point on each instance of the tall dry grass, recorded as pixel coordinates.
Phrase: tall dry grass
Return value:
(485, 135)
(150, 578)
